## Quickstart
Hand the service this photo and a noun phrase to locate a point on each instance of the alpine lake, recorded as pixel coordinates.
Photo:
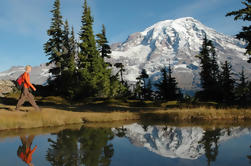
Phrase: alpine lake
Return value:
(129, 144)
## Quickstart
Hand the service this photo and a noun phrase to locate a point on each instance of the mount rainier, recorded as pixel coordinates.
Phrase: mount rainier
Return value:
(170, 41)
(178, 42)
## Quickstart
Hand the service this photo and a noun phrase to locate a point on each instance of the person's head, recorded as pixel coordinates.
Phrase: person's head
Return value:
(28, 68)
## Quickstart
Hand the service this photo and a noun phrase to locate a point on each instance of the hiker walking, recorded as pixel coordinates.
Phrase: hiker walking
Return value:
(25, 152)
(26, 95)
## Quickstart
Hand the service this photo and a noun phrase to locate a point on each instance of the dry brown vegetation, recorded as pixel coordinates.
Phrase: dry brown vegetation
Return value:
(56, 116)
(56, 111)
(33, 119)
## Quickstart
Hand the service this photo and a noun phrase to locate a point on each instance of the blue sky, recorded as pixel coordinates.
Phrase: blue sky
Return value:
(23, 23)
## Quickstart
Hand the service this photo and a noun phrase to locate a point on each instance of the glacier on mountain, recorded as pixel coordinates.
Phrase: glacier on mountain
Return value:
(176, 42)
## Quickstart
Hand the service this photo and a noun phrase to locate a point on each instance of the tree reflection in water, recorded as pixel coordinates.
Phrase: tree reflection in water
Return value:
(249, 156)
(120, 132)
(210, 144)
(87, 146)
(64, 151)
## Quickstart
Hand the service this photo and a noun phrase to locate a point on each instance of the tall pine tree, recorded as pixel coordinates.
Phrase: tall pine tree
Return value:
(245, 15)
(93, 72)
(242, 91)
(142, 84)
(66, 47)
(209, 71)
(72, 52)
(67, 81)
(172, 85)
(167, 87)
(138, 93)
(103, 46)
(227, 83)
(162, 86)
(144, 76)
(53, 47)
(148, 90)
(87, 40)
(121, 68)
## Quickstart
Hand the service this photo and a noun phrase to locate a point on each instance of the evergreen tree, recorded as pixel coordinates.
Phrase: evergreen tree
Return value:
(72, 52)
(142, 82)
(66, 47)
(215, 88)
(209, 71)
(125, 90)
(227, 83)
(88, 43)
(167, 88)
(242, 90)
(144, 76)
(93, 73)
(103, 46)
(214, 64)
(88, 49)
(163, 85)
(245, 15)
(172, 85)
(53, 47)
(121, 68)
(148, 90)
(138, 89)
(67, 81)
(249, 92)
(117, 89)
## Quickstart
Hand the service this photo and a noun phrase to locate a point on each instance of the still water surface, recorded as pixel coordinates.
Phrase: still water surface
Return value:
(129, 145)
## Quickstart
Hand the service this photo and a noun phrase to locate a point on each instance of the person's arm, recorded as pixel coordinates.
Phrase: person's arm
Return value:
(28, 81)
(33, 150)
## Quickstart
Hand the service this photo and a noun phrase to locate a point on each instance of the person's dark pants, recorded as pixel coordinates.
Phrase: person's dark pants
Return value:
(26, 96)
(27, 141)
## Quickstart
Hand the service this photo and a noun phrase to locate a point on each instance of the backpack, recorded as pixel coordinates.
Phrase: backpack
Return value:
(21, 149)
(20, 82)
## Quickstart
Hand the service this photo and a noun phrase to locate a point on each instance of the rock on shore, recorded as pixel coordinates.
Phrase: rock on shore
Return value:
(6, 87)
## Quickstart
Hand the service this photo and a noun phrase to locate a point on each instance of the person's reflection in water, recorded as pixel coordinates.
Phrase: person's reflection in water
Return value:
(24, 152)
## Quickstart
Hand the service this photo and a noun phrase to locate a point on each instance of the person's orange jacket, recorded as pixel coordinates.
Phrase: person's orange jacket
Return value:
(27, 83)
(27, 157)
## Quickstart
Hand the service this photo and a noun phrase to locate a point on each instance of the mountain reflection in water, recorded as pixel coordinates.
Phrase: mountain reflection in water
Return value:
(136, 144)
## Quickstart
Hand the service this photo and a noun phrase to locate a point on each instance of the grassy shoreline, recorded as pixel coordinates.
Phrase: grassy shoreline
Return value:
(52, 116)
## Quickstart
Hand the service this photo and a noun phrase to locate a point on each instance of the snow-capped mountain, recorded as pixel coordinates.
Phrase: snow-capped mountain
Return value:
(175, 142)
(176, 41)
(39, 74)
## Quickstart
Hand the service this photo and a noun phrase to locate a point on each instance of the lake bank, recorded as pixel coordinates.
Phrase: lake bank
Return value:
(53, 116)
